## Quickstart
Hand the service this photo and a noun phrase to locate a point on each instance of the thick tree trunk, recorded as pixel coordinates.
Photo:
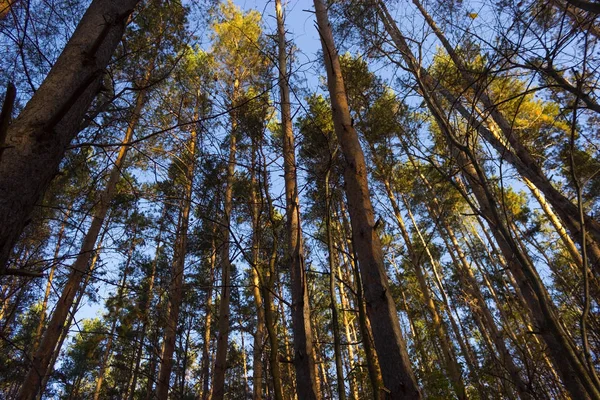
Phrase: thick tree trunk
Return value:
(37, 140)
(304, 357)
(396, 370)
(177, 280)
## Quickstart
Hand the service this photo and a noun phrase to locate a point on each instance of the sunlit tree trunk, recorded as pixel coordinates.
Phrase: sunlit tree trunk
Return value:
(177, 279)
(304, 357)
(396, 370)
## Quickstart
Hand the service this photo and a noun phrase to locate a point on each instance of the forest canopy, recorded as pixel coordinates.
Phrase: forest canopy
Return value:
(337, 199)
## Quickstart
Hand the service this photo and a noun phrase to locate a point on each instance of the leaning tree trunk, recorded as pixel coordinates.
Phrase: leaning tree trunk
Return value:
(36, 141)
(567, 358)
(397, 372)
(79, 270)
(527, 167)
(304, 356)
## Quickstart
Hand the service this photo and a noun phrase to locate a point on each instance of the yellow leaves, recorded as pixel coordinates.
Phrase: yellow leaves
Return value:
(472, 15)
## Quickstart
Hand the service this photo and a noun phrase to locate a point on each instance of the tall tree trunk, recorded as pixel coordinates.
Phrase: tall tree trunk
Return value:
(348, 334)
(256, 273)
(396, 370)
(37, 140)
(64, 332)
(304, 357)
(177, 280)
(206, 359)
(145, 309)
(79, 270)
(375, 376)
(224, 317)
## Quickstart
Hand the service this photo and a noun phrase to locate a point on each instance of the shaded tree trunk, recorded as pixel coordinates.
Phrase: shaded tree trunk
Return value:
(79, 270)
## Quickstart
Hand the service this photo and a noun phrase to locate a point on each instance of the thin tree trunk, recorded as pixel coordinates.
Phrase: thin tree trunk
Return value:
(347, 331)
(451, 365)
(304, 357)
(375, 376)
(396, 370)
(218, 386)
(339, 369)
(145, 307)
(206, 359)
(64, 333)
(37, 140)
(257, 366)
(79, 270)
(177, 280)
(113, 329)
(40, 328)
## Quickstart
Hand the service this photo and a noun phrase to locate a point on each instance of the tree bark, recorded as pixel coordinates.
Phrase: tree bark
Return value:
(37, 140)
(177, 281)
(79, 270)
(224, 317)
(304, 357)
(397, 373)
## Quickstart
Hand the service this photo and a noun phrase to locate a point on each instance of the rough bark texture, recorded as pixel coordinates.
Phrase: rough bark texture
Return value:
(397, 373)
(37, 140)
